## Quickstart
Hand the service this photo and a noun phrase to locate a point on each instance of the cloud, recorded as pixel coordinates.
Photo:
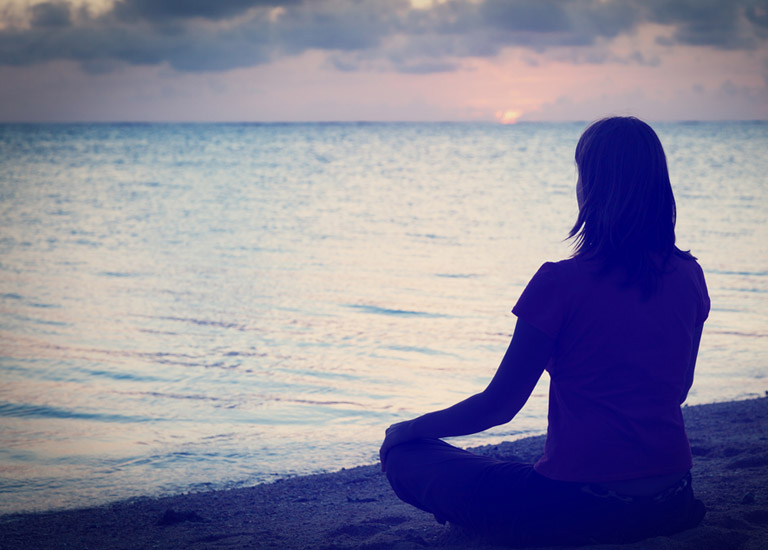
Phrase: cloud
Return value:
(165, 10)
(104, 43)
(718, 23)
(334, 26)
(50, 14)
(757, 15)
(535, 16)
(203, 35)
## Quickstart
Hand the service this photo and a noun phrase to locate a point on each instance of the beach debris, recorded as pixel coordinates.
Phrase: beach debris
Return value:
(172, 517)
(360, 530)
(749, 462)
(359, 500)
(697, 450)
(758, 517)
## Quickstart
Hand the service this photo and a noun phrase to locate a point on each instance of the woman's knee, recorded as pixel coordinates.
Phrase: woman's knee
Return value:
(397, 460)
(412, 458)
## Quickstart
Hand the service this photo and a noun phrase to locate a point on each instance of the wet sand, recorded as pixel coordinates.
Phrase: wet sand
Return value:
(355, 508)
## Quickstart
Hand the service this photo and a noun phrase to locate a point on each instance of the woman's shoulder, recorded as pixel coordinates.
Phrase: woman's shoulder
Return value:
(563, 276)
(686, 263)
(690, 273)
(568, 268)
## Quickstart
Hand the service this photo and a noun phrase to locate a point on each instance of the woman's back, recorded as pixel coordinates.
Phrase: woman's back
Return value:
(619, 370)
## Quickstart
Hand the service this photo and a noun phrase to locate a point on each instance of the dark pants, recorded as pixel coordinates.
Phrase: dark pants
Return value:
(513, 504)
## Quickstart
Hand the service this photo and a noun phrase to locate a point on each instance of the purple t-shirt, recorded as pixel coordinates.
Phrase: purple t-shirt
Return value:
(618, 370)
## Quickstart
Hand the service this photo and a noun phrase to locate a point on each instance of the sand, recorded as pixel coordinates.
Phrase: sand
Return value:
(355, 508)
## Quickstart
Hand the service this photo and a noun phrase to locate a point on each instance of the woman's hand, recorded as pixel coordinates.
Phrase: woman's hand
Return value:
(401, 432)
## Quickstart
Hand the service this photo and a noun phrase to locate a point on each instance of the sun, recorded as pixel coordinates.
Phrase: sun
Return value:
(508, 117)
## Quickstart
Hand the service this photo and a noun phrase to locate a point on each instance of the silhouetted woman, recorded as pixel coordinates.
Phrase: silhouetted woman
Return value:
(617, 327)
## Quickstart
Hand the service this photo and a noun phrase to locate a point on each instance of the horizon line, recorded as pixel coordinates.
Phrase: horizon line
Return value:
(287, 122)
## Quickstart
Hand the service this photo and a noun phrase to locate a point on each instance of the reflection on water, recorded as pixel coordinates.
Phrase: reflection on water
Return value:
(185, 306)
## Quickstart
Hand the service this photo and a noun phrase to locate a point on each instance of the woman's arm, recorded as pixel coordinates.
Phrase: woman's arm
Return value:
(692, 363)
(521, 368)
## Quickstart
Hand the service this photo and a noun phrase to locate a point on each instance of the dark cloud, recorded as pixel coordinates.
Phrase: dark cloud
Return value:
(535, 16)
(463, 29)
(757, 15)
(719, 23)
(351, 26)
(100, 47)
(425, 67)
(206, 35)
(598, 57)
(164, 10)
(50, 14)
(406, 65)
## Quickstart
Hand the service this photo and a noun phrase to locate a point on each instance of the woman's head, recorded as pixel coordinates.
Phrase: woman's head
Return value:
(626, 207)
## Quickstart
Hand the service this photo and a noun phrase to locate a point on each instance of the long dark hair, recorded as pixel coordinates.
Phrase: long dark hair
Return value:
(627, 209)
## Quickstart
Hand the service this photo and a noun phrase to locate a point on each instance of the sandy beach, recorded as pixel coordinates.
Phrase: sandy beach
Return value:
(355, 508)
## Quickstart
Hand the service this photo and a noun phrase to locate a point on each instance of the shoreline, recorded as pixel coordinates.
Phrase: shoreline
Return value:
(355, 508)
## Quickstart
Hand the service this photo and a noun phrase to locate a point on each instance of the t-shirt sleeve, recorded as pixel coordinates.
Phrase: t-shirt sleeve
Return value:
(542, 302)
(704, 303)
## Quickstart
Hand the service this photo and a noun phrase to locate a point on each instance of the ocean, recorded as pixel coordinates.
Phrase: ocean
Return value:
(194, 306)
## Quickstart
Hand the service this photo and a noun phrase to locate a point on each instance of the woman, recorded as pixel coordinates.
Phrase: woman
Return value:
(617, 326)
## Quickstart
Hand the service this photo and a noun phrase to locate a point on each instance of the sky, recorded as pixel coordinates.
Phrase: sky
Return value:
(382, 60)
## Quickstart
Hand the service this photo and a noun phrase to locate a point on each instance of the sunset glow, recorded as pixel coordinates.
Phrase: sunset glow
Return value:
(508, 117)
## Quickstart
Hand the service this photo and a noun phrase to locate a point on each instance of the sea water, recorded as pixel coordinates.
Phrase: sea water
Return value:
(191, 306)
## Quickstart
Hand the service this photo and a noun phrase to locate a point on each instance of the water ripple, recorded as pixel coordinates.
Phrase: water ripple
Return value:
(27, 410)
(376, 310)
